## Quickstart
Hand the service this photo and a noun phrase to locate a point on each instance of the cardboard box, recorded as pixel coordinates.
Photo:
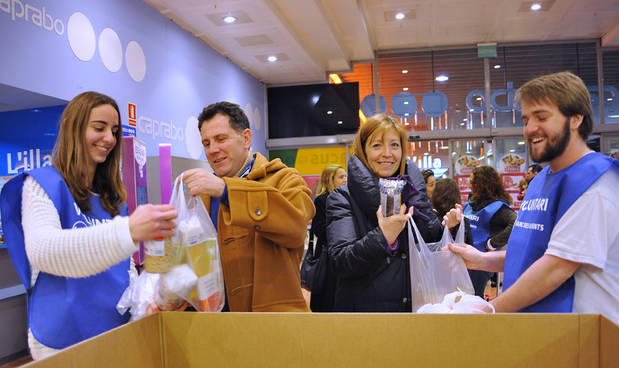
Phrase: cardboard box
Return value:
(177, 339)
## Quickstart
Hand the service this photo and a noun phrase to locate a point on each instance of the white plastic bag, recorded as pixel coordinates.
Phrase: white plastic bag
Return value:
(458, 302)
(139, 295)
(198, 237)
(435, 274)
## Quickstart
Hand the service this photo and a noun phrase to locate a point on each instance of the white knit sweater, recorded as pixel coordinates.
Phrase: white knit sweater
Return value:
(78, 252)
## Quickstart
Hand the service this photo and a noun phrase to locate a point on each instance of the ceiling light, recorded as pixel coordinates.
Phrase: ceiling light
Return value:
(609, 99)
(536, 6)
(404, 71)
(406, 114)
(400, 15)
(329, 112)
(442, 78)
(520, 143)
(272, 58)
(340, 122)
(229, 19)
(512, 150)
(405, 102)
(335, 78)
(405, 89)
(461, 124)
(497, 66)
(478, 98)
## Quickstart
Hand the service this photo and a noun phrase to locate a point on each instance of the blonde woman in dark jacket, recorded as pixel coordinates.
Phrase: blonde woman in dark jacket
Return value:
(369, 251)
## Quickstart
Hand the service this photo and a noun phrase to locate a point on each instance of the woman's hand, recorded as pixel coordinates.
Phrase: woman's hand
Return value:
(453, 217)
(152, 221)
(393, 225)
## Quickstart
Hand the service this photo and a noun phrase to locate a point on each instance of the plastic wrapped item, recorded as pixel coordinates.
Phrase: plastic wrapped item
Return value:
(390, 195)
(175, 286)
(435, 274)
(457, 302)
(199, 239)
(139, 295)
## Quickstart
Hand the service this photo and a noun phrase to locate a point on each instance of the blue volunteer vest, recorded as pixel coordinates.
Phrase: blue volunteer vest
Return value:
(480, 222)
(63, 311)
(548, 197)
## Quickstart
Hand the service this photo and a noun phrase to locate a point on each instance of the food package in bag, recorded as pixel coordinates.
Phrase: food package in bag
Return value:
(199, 239)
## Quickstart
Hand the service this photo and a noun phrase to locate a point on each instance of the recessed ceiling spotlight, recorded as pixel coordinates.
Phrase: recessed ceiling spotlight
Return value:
(406, 114)
(536, 6)
(521, 143)
(339, 122)
(272, 58)
(405, 89)
(229, 19)
(404, 71)
(497, 66)
(442, 78)
(329, 112)
(400, 15)
(478, 98)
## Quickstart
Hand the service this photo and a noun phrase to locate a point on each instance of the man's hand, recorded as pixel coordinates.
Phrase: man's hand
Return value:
(200, 181)
(393, 225)
(473, 258)
(453, 217)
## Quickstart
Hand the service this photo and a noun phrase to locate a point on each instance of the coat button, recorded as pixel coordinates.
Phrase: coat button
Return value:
(258, 212)
(404, 255)
(405, 300)
(257, 227)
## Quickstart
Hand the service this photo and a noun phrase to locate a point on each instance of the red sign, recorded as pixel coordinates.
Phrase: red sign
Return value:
(132, 112)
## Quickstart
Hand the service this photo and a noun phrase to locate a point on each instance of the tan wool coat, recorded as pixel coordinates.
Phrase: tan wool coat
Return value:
(261, 237)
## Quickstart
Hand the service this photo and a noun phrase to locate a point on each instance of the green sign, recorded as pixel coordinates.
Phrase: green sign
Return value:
(486, 50)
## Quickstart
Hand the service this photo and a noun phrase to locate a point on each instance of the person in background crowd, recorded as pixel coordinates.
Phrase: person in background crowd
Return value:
(428, 177)
(490, 215)
(67, 230)
(322, 297)
(447, 197)
(260, 209)
(369, 251)
(533, 170)
(522, 188)
(563, 253)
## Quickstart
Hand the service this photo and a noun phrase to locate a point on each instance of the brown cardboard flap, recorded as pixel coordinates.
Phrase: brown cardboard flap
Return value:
(137, 344)
(609, 343)
(371, 340)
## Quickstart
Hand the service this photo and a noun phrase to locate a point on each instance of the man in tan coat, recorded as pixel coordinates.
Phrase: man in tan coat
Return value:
(260, 208)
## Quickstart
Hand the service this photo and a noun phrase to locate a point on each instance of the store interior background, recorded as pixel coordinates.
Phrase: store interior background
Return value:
(192, 57)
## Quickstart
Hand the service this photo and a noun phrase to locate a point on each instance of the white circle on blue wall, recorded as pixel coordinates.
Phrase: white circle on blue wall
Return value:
(193, 140)
(257, 118)
(136, 61)
(110, 50)
(81, 36)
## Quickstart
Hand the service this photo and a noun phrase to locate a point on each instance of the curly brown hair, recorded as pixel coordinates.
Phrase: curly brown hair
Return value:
(487, 186)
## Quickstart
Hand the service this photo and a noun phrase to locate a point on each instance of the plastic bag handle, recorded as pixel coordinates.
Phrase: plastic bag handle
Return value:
(179, 194)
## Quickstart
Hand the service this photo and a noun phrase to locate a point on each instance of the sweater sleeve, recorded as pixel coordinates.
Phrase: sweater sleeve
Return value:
(501, 225)
(78, 252)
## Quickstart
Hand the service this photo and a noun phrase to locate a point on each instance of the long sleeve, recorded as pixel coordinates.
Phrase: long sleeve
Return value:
(78, 252)
(278, 207)
(319, 223)
(501, 225)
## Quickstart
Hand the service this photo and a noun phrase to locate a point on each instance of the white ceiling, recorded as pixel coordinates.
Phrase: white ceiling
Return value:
(314, 37)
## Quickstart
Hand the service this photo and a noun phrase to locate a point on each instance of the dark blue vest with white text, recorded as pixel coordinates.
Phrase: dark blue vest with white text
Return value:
(480, 222)
(548, 197)
(63, 311)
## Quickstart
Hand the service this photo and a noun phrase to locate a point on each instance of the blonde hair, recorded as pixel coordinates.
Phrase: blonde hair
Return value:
(70, 155)
(326, 179)
(375, 127)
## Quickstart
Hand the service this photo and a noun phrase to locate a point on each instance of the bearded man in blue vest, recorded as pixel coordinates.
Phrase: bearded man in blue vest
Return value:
(563, 252)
